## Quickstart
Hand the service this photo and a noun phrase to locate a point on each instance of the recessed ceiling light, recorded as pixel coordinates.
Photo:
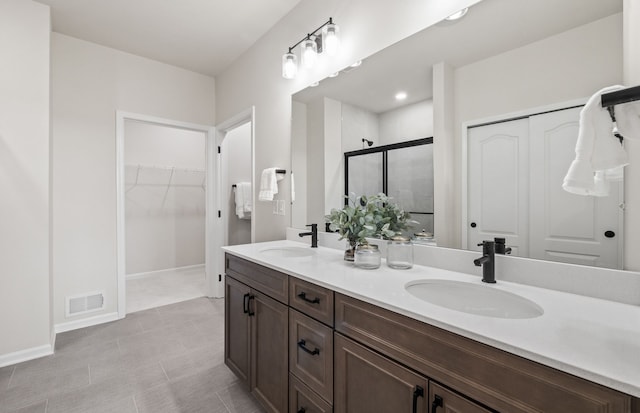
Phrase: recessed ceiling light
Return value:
(356, 64)
(401, 95)
(458, 15)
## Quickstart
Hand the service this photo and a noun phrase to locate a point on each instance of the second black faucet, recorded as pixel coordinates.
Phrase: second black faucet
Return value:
(487, 261)
(313, 233)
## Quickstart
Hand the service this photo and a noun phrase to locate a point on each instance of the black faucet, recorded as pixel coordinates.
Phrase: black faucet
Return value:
(501, 248)
(313, 233)
(487, 261)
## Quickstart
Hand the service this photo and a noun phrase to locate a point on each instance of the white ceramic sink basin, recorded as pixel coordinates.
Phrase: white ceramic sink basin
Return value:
(474, 299)
(288, 252)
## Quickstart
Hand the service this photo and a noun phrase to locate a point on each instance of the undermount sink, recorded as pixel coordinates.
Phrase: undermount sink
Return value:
(475, 299)
(288, 252)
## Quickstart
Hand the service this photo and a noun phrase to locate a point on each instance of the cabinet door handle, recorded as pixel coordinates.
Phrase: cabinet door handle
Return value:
(251, 298)
(417, 392)
(437, 402)
(303, 296)
(302, 345)
(245, 303)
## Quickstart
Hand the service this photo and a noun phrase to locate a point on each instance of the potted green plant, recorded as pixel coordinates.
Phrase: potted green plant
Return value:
(362, 217)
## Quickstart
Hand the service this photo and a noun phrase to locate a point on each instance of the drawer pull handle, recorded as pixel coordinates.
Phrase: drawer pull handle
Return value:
(418, 392)
(245, 303)
(302, 345)
(251, 298)
(303, 296)
(437, 402)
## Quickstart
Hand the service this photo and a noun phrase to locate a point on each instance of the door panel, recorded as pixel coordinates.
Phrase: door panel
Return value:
(498, 185)
(236, 339)
(567, 227)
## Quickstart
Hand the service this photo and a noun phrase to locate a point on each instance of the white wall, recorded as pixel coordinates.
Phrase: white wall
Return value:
(236, 167)
(521, 79)
(358, 123)
(24, 178)
(631, 77)
(89, 83)
(299, 163)
(407, 123)
(164, 197)
(255, 78)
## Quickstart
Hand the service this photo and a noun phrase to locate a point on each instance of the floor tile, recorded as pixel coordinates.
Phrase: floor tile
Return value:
(197, 392)
(40, 407)
(192, 362)
(237, 399)
(96, 396)
(139, 377)
(159, 399)
(5, 376)
(165, 288)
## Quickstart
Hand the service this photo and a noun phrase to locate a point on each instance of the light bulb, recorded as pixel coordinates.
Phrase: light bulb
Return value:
(289, 65)
(331, 39)
(309, 52)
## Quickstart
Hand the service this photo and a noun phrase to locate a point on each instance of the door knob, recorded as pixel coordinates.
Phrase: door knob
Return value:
(473, 225)
(609, 234)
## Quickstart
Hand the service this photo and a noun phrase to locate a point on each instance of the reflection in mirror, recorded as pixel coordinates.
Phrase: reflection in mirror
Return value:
(503, 58)
(403, 171)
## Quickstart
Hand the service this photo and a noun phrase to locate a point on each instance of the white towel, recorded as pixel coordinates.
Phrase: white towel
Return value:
(269, 184)
(243, 200)
(597, 150)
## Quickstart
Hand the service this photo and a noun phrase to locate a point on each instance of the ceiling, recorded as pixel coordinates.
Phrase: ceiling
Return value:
(490, 27)
(204, 36)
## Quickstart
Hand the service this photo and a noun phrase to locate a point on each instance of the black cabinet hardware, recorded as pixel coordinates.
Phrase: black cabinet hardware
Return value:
(437, 402)
(303, 296)
(251, 298)
(245, 303)
(418, 392)
(302, 345)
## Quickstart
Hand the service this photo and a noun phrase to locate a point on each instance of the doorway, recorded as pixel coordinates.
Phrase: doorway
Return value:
(163, 198)
(236, 171)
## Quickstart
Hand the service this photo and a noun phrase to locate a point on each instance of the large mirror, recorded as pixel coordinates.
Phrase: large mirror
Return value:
(505, 60)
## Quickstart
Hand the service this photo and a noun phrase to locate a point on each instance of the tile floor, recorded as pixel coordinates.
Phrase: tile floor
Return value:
(166, 287)
(168, 359)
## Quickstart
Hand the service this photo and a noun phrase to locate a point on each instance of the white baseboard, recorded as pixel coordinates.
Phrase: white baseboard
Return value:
(165, 271)
(25, 355)
(85, 322)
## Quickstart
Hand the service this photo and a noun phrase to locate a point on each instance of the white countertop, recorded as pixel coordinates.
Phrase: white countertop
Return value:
(591, 338)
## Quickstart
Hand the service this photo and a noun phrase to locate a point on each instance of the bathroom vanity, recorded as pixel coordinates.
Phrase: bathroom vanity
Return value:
(308, 332)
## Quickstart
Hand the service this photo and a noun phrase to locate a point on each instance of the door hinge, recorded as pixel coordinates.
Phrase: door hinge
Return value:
(219, 214)
(219, 150)
(219, 277)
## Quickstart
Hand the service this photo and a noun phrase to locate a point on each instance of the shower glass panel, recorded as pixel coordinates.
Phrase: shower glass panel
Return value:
(365, 174)
(404, 171)
(410, 182)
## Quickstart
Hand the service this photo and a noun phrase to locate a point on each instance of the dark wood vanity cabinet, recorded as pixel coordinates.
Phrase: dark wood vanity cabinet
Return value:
(256, 331)
(302, 348)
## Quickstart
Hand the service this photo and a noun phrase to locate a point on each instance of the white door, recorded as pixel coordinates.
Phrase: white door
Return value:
(567, 227)
(498, 184)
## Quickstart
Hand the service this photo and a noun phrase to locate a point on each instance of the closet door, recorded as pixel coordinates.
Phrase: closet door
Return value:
(498, 185)
(567, 227)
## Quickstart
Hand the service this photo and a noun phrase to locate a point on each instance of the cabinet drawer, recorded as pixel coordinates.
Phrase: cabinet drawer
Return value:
(313, 300)
(311, 353)
(493, 377)
(367, 382)
(303, 400)
(273, 283)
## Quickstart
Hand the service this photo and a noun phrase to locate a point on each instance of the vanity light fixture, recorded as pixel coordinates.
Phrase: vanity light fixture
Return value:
(324, 38)
(457, 15)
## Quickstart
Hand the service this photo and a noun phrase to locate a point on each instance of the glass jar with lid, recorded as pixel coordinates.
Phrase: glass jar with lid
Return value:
(367, 256)
(400, 252)
(423, 237)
